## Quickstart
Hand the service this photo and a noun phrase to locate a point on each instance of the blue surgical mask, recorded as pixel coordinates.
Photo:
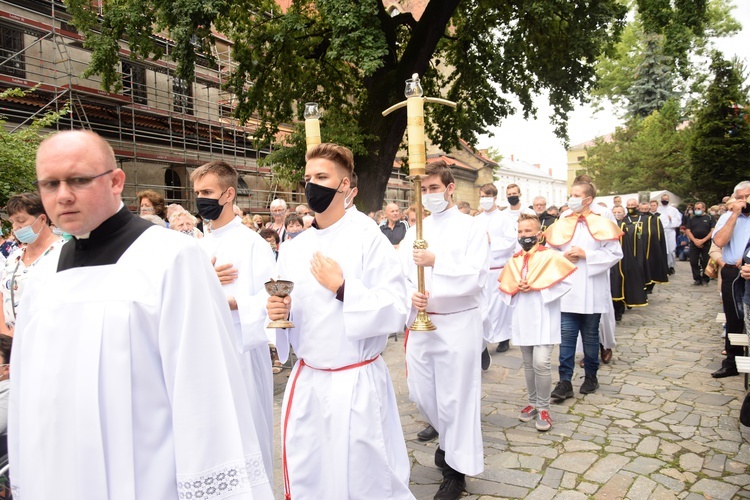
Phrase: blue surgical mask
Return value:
(26, 234)
(698, 212)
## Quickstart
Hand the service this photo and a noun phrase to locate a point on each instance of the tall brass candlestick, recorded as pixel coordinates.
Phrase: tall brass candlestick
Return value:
(417, 159)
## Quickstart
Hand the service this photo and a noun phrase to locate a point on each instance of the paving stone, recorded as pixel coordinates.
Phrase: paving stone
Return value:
(569, 480)
(605, 468)
(578, 445)
(648, 446)
(642, 488)
(512, 477)
(644, 465)
(739, 480)
(588, 488)
(552, 478)
(691, 462)
(542, 492)
(614, 488)
(669, 482)
(481, 487)
(714, 489)
(715, 462)
(577, 462)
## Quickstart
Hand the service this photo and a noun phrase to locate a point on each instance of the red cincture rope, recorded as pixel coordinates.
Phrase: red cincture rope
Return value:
(287, 487)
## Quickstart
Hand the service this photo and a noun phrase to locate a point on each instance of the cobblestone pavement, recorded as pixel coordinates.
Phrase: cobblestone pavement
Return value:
(658, 427)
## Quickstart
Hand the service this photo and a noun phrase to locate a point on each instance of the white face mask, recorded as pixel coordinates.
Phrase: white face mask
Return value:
(487, 203)
(435, 202)
(575, 204)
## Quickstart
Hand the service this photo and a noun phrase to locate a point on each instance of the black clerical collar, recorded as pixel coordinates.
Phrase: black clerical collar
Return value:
(105, 244)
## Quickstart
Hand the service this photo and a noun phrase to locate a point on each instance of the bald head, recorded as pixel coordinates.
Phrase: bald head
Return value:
(81, 206)
(392, 212)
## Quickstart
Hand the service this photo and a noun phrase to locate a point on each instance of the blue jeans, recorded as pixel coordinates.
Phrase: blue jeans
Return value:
(588, 326)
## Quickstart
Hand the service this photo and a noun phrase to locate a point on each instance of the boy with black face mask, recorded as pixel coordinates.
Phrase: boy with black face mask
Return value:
(532, 283)
(340, 411)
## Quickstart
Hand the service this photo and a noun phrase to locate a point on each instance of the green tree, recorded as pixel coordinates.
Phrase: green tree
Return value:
(653, 84)
(646, 154)
(685, 29)
(720, 146)
(18, 150)
(352, 57)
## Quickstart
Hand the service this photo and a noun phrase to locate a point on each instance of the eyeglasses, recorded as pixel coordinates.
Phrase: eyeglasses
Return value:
(74, 183)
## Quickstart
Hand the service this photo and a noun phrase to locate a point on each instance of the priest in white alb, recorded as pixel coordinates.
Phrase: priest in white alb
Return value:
(340, 428)
(124, 380)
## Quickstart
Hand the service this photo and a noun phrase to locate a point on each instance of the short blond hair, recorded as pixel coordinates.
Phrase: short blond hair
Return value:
(225, 172)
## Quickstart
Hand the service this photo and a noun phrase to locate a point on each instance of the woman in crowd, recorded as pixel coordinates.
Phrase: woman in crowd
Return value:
(151, 203)
(32, 230)
(184, 222)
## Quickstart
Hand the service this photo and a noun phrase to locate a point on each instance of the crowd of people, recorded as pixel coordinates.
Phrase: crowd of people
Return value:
(149, 350)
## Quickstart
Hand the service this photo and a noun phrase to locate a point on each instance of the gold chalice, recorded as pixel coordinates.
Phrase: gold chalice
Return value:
(279, 288)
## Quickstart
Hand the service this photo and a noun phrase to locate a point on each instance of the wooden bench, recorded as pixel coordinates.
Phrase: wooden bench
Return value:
(743, 362)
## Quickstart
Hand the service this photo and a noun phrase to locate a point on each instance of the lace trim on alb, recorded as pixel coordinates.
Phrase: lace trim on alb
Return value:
(223, 480)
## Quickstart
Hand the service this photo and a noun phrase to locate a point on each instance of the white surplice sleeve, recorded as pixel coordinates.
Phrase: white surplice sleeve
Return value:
(251, 305)
(465, 276)
(556, 291)
(604, 256)
(503, 242)
(375, 302)
(216, 449)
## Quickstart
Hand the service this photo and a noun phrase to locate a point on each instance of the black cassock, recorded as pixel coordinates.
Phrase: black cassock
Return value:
(626, 277)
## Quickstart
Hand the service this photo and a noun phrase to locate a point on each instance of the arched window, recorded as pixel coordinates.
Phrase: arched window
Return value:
(173, 186)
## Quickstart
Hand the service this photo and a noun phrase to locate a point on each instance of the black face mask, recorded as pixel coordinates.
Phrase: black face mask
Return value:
(527, 242)
(746, 209)
(665, 202)
(632, 211)
(513, 200)
(209, 208)
(319, 197)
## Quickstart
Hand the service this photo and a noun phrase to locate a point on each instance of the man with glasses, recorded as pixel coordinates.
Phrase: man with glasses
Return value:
(732, 233)
(278, 215)
(123, 353)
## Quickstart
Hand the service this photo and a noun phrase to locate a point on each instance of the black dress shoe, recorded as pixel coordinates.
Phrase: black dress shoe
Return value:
(698, 283)
(486, 359)
(503, 346)
(725, 371)
(450, 489)
(427, 434)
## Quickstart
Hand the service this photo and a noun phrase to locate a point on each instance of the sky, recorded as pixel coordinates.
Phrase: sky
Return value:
(534, 141)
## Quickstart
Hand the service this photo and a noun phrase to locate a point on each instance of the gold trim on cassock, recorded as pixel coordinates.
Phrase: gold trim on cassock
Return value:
(540, 266)
(600, 228)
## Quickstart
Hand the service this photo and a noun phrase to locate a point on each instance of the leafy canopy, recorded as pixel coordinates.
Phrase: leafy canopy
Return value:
(352, 57)
(18, 149)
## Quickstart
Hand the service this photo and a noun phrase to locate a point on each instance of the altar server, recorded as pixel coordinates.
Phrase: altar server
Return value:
(245, 262)
(340, 427)
(443, 366)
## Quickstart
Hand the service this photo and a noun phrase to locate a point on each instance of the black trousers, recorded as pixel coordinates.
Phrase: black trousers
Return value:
(699, 260)
(734, 324)
(448, 471)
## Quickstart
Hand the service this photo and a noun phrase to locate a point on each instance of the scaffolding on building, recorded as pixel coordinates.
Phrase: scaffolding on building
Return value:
(159, 126)
(155, 122)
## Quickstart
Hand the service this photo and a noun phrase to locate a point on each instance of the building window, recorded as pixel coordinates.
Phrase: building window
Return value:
(11, 44)
(182, 93)
(173, 185)
(134, 82)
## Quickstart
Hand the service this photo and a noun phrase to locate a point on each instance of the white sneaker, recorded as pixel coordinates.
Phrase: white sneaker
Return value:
(543, 421)
(527, 414)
